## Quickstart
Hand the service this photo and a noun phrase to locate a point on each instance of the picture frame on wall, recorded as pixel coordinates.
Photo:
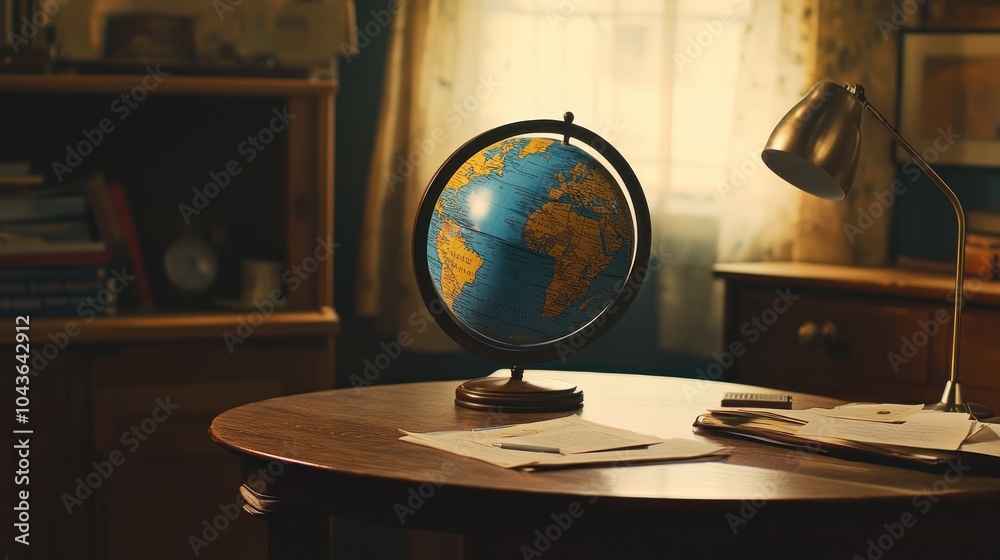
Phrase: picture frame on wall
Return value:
(949, 96)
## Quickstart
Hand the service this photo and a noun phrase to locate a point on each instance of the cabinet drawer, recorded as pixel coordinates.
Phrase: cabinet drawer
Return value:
(169, 420)
(202, 379)
(832, 340)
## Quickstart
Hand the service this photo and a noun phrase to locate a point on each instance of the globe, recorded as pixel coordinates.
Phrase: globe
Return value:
(525, 243)
(529, 241)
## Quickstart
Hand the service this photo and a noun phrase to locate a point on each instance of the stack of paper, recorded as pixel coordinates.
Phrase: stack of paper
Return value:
(567, 441)
(892, 430)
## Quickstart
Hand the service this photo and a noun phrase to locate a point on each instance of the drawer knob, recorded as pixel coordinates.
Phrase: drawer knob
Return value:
(830, 333)
(810, 333)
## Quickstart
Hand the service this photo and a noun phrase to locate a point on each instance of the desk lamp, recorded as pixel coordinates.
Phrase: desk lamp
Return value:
(816, 147)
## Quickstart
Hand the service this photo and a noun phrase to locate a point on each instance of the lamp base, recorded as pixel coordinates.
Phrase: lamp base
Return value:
(516, 394)
(953, 400)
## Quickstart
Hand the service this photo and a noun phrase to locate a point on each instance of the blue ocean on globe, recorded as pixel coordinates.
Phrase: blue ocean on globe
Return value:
(529, 241)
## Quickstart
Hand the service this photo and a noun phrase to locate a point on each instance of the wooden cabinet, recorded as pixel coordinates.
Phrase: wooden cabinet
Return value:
(862, 334)
(121, 462)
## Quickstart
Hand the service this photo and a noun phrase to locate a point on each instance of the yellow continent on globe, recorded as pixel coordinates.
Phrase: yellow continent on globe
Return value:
(459, 263)
(575, 243)
(582, 247)
(535, 146)
(477, 166)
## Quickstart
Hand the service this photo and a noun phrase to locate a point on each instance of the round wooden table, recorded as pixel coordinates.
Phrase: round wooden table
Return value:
(338, 453)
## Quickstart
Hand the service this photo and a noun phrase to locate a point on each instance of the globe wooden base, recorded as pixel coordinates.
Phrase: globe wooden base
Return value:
(516, 394)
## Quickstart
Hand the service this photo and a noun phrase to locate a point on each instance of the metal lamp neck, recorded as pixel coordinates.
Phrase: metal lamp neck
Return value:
(953, 398)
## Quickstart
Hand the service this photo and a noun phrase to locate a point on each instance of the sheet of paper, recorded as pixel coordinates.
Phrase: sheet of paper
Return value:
(945, 432)
(778, 414)
(675, 449)
(871, 412)
(505, 458)
(985, 441)
(574, 435)
(569, 434)
(579, 441)
(854, 411)
(774, 432)
(934, 416)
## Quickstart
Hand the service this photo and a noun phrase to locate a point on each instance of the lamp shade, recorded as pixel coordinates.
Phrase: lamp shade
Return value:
(817, 145)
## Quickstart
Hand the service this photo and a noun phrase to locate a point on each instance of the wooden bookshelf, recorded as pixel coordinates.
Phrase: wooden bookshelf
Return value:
(90, 387)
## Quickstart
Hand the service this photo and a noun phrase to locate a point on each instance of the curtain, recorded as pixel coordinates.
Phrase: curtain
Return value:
(687, 90)
(433, 86)
(855, 47)
(724, 205)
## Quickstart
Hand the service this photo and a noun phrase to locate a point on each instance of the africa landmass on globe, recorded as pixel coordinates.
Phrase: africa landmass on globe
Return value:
(529, 241)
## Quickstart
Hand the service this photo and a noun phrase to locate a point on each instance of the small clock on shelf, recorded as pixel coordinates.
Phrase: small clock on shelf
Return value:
(191, 265)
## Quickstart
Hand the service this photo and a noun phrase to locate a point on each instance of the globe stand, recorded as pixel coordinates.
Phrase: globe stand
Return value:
(516, 394)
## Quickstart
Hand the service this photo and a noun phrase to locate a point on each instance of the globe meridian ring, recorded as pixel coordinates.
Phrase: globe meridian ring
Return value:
(474, 339)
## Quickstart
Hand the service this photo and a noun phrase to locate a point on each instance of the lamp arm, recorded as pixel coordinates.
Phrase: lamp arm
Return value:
(950, 389)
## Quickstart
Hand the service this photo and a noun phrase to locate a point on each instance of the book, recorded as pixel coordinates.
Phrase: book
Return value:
(28, 209)
(982, 256)
(54, 258)
(81, 272)
(109, 223)
(59, 291)
(983, 222)
(48, 227)
(21, 180)
(18, 173)
(260, 502)
(40, 302)
(120, 202)
(37, 189)
(984, 240)
(15, 168)
(76, 229)
(55, 306)
(982, 259)
(52, 287)
(40, 248)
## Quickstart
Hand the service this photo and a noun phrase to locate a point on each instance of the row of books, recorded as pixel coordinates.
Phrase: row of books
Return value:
(62, 246)
(982, 245)
(982, 250)
(81, 290)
